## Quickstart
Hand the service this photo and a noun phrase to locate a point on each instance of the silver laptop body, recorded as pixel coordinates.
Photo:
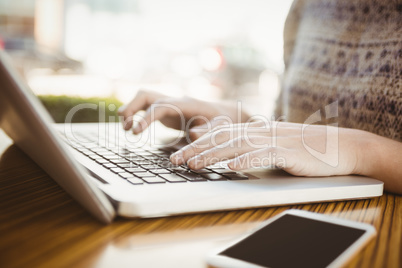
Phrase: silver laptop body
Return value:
(105, 194)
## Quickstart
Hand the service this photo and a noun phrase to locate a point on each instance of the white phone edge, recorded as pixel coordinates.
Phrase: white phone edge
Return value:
(217, 260)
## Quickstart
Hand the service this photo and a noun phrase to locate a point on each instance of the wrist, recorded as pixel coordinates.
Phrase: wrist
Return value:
(365, 147)
(367, 154)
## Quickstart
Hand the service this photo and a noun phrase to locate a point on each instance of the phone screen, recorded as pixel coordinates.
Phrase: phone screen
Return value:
(293, 241)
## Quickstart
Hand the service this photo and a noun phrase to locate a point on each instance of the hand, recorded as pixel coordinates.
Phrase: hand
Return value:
(178, 113)
(302, 150)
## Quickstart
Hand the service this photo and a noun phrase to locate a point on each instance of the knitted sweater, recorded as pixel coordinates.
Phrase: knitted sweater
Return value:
(348, 53)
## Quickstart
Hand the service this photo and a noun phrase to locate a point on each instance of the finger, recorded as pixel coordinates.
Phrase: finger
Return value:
(128, 110)
(217, 136)
(200, 130)
(197, 132)
(228, 150)
(268, 157)
(260, 126)
(214, 138)
(140, 102)
(256, 127)
(223, 134)
(157, 111)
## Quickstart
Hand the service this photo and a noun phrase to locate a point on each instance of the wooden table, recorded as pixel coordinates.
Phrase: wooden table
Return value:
(42, 226)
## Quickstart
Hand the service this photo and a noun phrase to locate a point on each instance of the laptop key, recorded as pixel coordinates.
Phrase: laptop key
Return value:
(116, 157)
(90, 145)
(90, 154)
(145, 174)
(214, 177)
(219, 169)
(167, 164)
(130, 165)
(160, 171)
(226, 172)
(237, 176)
(120, 152)
(102, 161)
(136, 150)
(94, 156)
(120, 161)
(154, 180)
(173, 178)
(191, 176)
(135, 158)
(109, 165)
(85, 151)
(142, 162)
(135, 181)
(123, 154)
(146, 154)
(153, 157)
(108, 154)
(178, 169)
(117, 170)
(136, 170)
(202, 171)
(100, 150)
(126, 175)
(150, 166)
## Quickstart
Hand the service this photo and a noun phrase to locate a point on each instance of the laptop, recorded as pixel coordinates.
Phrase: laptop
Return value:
(129, 178)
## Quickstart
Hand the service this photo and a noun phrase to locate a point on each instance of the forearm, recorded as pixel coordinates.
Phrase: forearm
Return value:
(381, 158)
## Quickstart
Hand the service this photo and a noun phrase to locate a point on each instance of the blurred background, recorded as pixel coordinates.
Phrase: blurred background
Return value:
(72, 51)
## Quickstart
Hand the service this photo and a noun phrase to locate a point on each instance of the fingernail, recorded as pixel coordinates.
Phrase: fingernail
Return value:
(193, 162)
(121, 109)
(137, 129)
(177, 158)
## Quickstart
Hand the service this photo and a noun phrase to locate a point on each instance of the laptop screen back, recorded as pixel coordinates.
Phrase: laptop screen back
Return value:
(26, 121)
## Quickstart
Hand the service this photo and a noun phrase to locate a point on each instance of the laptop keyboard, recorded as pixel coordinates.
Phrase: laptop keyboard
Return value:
(147, 165)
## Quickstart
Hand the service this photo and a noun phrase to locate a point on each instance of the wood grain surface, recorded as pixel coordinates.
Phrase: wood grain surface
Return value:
(42, 226)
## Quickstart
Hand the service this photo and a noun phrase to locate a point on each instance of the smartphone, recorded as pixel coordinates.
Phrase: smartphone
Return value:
(296, 238)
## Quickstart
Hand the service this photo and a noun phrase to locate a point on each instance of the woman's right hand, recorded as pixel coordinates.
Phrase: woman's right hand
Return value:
(188, 114)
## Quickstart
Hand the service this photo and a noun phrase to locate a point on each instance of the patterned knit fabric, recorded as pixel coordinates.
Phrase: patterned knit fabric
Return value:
(349, 51)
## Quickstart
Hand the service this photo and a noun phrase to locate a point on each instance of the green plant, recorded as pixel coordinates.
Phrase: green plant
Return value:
(59, 107)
